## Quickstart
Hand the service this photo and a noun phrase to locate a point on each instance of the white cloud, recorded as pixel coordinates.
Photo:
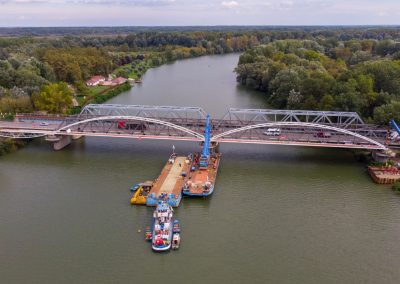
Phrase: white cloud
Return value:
(93, 2)
(194, 12)
(229, 4)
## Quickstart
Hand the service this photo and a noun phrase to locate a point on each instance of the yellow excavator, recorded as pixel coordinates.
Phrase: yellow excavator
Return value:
(142, 190)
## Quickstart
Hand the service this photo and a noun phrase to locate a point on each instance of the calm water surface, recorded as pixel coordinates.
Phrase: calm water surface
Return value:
(278, 215)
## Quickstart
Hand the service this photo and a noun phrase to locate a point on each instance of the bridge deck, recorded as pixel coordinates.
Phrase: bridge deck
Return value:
(170, 179)
(297, 128)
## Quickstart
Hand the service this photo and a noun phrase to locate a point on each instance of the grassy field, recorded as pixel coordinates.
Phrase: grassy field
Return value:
(95, 90)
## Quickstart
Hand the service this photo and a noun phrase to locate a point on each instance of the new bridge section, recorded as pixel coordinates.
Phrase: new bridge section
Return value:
(300, 128)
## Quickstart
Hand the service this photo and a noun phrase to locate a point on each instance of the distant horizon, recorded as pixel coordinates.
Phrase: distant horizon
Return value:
(100, 13)
(205, 26)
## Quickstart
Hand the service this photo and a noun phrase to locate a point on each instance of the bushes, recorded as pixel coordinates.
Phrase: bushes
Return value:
(9, 145)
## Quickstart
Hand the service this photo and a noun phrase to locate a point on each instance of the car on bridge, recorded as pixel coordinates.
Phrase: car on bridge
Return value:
(322, 134)
(272, 132)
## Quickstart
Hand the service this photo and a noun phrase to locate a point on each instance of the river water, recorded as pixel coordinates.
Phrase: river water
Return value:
(279, 214)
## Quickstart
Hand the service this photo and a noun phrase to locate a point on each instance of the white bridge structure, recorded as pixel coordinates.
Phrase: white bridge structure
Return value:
(250, 126)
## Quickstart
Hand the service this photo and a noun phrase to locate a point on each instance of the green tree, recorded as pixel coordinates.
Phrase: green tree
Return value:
(283, 83)
(82, 89)
(383, 114)
(54, 98)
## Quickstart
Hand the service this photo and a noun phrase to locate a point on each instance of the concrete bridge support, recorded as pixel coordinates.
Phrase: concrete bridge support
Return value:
(383, 156)
(59, 141)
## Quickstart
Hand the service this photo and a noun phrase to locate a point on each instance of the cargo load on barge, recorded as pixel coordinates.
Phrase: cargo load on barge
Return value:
(200, 180)
(168, 186)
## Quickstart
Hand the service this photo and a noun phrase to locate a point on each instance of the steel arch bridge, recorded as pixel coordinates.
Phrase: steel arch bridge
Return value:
(297, 127)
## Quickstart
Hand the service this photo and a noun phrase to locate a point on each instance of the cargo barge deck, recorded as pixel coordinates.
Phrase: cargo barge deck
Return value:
(168, 186)
(201, 181)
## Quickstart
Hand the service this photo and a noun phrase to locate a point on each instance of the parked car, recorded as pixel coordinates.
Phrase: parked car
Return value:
(44, 123)
(272, 132)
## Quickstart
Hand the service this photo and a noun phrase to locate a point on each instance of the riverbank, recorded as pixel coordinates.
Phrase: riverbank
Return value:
(106, 93)
(141, 61)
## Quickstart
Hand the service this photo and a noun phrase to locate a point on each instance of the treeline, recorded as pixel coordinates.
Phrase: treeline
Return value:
(355, 75)
(343, 32)
(29, 65)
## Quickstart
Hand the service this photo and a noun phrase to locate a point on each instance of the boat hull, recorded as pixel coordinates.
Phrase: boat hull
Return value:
(162, 227)
(194, 194)
(160, 249)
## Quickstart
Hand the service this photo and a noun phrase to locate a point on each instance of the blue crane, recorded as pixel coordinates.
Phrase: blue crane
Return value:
(205, 155)
(395, 126)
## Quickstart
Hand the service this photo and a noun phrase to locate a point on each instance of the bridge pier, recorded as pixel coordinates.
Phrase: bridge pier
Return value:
(59, 141)
(382, 156)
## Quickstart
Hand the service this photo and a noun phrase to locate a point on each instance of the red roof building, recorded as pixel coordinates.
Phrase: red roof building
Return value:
(95, 80)
(119, 81)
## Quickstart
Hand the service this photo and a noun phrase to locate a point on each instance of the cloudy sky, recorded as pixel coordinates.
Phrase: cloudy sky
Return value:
(192, 12)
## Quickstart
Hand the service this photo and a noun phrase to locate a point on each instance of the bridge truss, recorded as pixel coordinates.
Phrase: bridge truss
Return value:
(297, 127)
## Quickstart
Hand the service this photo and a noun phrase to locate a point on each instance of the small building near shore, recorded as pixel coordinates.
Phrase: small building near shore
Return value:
(95, 80)
(107, 83)
(119, 81)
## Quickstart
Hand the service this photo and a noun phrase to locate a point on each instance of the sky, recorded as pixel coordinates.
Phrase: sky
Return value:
(190, 12)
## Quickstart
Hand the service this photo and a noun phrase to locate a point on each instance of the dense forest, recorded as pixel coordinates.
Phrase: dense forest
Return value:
(29, 65)
(361, 75)
(346, 68)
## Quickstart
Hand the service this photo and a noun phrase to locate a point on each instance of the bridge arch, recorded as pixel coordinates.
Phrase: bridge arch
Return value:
(301, 124)
(138, 118)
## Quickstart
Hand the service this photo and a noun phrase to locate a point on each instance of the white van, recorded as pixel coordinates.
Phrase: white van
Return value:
(394, 135)
(272, 132)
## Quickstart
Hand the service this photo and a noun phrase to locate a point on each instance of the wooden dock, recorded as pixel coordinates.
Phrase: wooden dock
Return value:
(170, 180)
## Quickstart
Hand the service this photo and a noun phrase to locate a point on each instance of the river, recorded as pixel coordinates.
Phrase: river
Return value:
(279, 214)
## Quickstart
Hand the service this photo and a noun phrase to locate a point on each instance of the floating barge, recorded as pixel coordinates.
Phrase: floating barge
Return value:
(201, 178)
(168, 186)
(203, 168)
(384, 175)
